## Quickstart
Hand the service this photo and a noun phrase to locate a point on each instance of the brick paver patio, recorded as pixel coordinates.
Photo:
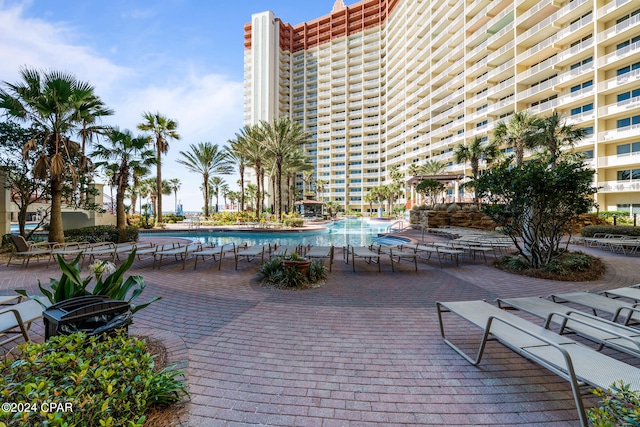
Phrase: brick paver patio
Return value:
(363, 350)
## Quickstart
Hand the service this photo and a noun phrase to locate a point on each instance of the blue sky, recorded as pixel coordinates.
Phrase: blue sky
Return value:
(179, 57)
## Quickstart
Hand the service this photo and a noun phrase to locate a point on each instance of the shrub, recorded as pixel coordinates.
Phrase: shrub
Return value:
(620, 406)
(293, 222)
(102, 233)
(172, 218)
(275, 274)
(108, 381)
(590, 230)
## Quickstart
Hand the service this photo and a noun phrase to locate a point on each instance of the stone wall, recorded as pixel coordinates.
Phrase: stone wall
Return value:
(467, 215)
(454, 215)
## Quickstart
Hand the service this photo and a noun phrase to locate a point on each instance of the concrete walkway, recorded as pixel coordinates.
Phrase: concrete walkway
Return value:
(363, 350)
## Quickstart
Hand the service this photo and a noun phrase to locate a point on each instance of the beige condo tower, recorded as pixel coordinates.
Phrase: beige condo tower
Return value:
(384, 83)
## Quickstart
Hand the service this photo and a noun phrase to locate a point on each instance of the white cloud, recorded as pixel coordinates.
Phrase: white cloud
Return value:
(208, 107)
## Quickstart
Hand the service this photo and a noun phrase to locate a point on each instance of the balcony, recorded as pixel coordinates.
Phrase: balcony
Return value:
(619, 55)
(620, 133)
(616, 186)
(617, 161)
(620, 107)
(619, 81)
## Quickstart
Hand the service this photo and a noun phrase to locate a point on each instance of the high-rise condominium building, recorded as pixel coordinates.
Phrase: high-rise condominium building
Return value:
(394, 83)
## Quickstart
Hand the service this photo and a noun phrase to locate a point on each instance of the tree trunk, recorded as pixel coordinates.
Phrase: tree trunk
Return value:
(134, 199)
(279, 184)
(121, 217)
(56, 233)
(159, 192)
(242, 188)
(258, 193)
(22, 218)
(205, 182)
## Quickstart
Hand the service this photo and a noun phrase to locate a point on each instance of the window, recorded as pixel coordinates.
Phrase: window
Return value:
(581, 63)
(582, 86)
(627, 149)
(588, 154)
(585, 38)
(588, 131)
(628, 174)
(628, 121)
(626, 95)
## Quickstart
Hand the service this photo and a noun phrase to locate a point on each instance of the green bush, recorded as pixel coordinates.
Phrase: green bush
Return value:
(107, 381)
(102, 233)
(514, 263)
(293, 222)
(274, 273)
(620, 407)
(172, 217)
(627, 230)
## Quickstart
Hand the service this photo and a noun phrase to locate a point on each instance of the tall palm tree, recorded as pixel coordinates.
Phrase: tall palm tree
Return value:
(162, 129)
(51, 101)
(555, 134)
(433, 167)
(137, 174)
(320, 186)
(308, 178)
(216, 185)
(205, 159)
(175, 185)
(251, 145)
(124, 152)
(474, 152)
(150, 189)
(251, 194)
(298, 162)
(92, 110)
(520, 133)
(236, 156)
(282, 137)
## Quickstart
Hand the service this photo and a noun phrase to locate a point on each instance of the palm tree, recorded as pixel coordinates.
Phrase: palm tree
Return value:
(90, 113)
(216, 185)
(205, 159)
(296, 163)
(123, 154)
(308, 178)
(224, 189)
(52, 102)
(555, 134)
(282, 137)
(320, 186)
(137, 174)
(521, 132)
(150, 189)
(250, 194)
(474, 152)
(251, 146)
(163, 129)
(236, 156)
(433, 167)
(175, 184)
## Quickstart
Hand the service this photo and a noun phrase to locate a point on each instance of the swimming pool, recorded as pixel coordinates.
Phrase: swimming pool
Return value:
(355, 232)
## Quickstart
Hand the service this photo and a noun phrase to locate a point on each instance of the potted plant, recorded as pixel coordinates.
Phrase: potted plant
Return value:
(294, 260)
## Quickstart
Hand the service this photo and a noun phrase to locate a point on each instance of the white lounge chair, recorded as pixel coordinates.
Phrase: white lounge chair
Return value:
(321, 252)
(251, 252)
(16, 320)
(363, 252)
(561, 355)
(216, 253)
(27, 250)
(182, 252)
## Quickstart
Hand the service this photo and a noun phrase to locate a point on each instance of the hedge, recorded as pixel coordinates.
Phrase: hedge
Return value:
(627, 230)
(101, 233)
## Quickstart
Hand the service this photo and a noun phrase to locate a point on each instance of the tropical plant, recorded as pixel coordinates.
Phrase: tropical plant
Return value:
(137, 174)
(206, 159)
(519, 133)
(320, 187)
(121, 156)
(236, 156)
(537, 205)
(175, 184)
(53, 103)
(473, 153)
(162, 130)
(620, 406)
(250, 143)
(433, 167)
(111, 378)
(282, 138)
(332, 207)
(554, 134)
(114, 286)
(216, 186)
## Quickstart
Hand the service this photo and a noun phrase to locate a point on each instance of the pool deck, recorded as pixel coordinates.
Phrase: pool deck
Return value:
(362, 350)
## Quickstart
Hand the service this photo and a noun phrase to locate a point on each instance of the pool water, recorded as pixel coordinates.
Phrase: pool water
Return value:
(354, 232)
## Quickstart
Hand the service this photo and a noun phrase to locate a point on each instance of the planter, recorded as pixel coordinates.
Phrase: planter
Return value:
(301, 266)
